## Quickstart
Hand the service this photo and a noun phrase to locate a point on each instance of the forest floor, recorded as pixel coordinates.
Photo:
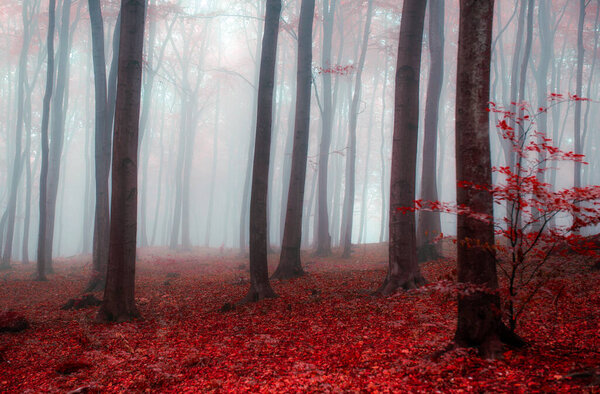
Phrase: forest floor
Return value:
(325, 332)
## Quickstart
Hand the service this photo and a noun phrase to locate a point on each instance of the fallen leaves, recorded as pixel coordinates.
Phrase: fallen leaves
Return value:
(325, 332)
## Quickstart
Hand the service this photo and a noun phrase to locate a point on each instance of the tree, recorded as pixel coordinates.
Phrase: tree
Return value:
(479, 318)
(351, 154)
(578, 92)
(323, 240)
(260, 287)
(119, 301)
(289, 263)
(41, 250)
(27, 17)
(403, 269)
(102, 148)
(429, 224)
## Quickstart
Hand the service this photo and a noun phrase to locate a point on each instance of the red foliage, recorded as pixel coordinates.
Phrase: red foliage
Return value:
(324, 333)
(338, 69)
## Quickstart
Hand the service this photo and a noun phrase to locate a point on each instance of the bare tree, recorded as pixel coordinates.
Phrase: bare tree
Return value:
(102, 150)
(260, 287)
(479, 318)
(119, 300)
(289, 263)
(351, 154)
(429, 224)
(41, 250)
(403, 270)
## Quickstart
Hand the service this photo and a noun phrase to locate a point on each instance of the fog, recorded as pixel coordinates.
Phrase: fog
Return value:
(200, 78)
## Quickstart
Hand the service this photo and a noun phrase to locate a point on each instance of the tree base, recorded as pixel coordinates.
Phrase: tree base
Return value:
(105, 316)
(5, 267)
(392, 285)
(255, 295)
(288, 272)
(491, 348)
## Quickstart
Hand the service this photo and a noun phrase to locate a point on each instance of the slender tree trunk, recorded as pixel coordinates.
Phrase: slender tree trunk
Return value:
(351, 153)
(244, 217)
(323, 240)
(429, 224)
(59, 108)
(403, 271)
(289, 263)
(119, 299)
(382, 154)
(479, 317)
(42, 261)
(578, 91)
(102, 152)
(260, 287)
(213, 171)
(18, 154)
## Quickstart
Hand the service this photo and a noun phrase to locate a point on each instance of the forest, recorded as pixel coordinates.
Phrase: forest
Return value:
(299, 196)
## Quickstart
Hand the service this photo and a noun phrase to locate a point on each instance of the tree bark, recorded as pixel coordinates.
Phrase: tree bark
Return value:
(102, 152)
(260, 287)
(323, 241)
(59, 108)
(42, 262)
(404, 271)
(351, 153)
(578, 91)
(479, 316)
(290, 265)
(119, 299)
(429, 223)
(19, 155)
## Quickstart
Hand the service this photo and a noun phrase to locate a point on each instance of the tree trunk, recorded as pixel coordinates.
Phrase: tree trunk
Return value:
(102, 152)
(59, 108)
(290, 265)
(18, 155)
(578, 91)
(403, 271)
(323, 240)
(429, 224)
(42, 262)
(260, 287)
(479, 317)
(119, 299)
(351, 153)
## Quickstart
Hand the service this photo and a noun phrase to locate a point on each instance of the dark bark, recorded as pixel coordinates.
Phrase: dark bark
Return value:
(403, 271)
(260, 287)
(42, 262)
(102, 152)
(578, 91)
(119, 299)
(351, 153)
(323, 241)
(429, 224)
(289, 262)
(479, 316)
(59, 108)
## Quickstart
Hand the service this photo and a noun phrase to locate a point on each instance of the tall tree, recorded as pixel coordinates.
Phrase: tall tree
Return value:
(578, 91)
(119, 300)
(59, 109)
(429, 224)
(289, 262)
(102, 150)
(323, 240)
(351, 153)
(41, 249)
(27, 17)
(403, 270)
(260, 287)
(479, 320)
